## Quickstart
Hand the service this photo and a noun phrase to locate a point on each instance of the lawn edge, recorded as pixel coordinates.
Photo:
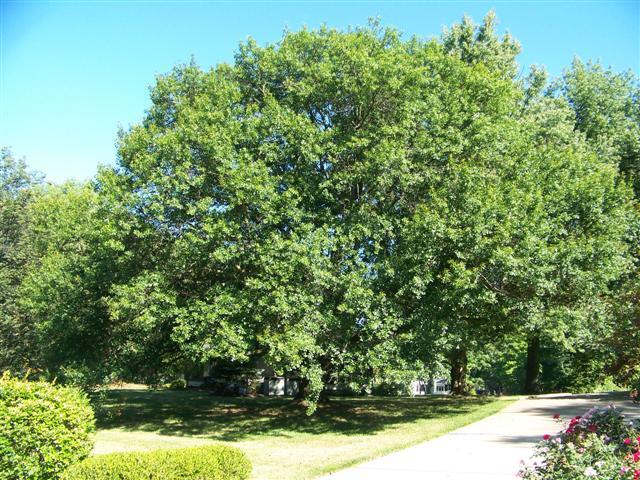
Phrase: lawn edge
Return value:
(472, 418)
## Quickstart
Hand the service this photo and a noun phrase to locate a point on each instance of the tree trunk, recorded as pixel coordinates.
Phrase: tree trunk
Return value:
(324, 396)
(326, 382)
(458, 358)
(303, 389)
(532, 376)
(303, 392)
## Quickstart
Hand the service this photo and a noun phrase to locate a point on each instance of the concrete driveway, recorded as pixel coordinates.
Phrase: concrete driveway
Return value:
(490, 449)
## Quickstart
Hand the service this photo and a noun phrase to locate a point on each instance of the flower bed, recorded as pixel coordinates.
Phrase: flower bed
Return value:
(601, 444)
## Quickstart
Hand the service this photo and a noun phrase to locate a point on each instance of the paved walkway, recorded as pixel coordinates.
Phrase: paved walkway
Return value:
(490, 449)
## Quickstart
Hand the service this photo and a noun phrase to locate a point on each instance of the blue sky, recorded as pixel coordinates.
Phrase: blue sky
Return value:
(72, 72)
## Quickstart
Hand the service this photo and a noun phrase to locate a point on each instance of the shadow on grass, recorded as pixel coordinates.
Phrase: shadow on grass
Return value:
(227, 418)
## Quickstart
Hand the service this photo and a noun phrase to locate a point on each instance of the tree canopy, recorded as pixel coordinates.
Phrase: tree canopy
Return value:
(346, 205)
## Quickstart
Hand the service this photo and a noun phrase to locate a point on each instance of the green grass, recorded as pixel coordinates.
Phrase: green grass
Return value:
(280, 440)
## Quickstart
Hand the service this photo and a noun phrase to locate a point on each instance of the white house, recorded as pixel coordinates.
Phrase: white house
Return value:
(437, 386)
(262, 379)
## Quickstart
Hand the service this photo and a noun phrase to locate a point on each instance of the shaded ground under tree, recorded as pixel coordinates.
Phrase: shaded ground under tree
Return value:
(198, 413)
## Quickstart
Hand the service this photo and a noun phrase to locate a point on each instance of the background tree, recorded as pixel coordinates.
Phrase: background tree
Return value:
(527, 226)
(61, 295)
(606, 105)
(480, 44)
(17, 190)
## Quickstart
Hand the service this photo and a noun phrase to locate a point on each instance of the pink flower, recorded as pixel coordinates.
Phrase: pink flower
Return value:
(627, 441)
(546, 436)
(636, 457)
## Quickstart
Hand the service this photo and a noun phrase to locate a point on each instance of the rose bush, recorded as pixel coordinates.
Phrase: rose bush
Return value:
(601, 444)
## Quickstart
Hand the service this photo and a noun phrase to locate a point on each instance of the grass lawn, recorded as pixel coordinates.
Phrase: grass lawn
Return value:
(280, 440)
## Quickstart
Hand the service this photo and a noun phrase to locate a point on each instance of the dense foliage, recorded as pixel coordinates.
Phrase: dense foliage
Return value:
(215, 462)
(17, 190)
(44, 428)
(602, 443)
(351, 208)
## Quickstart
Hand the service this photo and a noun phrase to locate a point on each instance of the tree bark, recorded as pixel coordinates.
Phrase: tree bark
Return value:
(458, 359)
(324, 396)
(303, 389)
(532, 375)
(326, 382)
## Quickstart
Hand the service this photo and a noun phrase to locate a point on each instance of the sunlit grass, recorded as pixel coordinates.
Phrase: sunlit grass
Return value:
(279, 438)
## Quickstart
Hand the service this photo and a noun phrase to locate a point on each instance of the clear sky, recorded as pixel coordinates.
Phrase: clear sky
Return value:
(72, 72)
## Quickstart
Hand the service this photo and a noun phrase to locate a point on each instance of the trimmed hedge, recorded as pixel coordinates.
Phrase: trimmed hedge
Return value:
(44, 428)
(211, 462)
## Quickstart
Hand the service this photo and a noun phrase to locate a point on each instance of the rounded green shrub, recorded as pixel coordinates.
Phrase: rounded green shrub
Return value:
(211, 462)
(44, 428)
(178, 384)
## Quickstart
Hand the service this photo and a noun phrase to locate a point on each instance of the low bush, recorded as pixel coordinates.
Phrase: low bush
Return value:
(390, 389)
(601, 444)
(44, 428)
(212, 462)
(177, 384)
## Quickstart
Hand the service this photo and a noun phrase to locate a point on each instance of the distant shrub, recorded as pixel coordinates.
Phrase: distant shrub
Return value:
(178, 384)
(391, 388)
(212, 462)
(44, 428)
